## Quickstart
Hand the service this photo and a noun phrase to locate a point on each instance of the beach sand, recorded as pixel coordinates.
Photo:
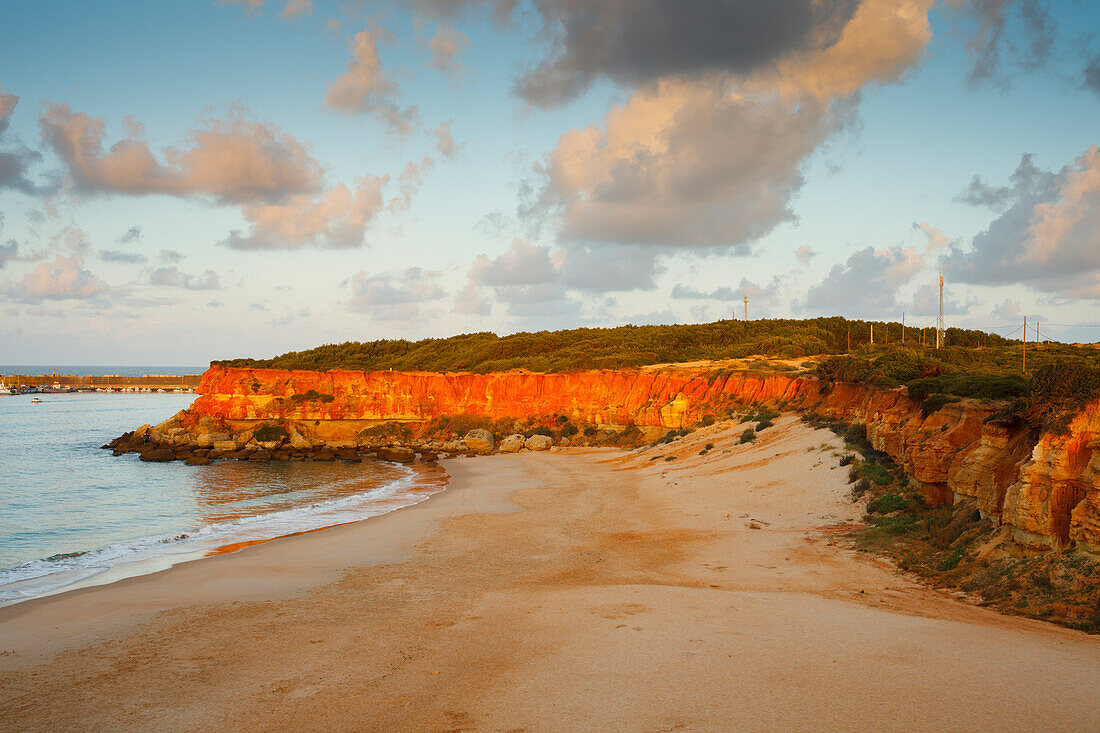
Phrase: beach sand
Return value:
(566, 591)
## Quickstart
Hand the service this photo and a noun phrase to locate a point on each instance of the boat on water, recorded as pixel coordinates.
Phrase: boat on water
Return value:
(36, 400)
(6, 390)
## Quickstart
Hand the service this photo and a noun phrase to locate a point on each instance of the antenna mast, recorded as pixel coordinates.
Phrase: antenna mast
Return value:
(939, 320)
(746, 306)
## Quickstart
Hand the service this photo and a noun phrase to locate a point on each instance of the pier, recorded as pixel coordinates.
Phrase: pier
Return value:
(107, 383)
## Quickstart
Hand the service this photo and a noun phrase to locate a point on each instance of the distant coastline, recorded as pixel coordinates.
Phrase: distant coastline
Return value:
(99, 370)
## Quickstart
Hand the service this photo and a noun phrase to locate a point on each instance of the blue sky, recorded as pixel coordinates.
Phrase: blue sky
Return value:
(675, 172)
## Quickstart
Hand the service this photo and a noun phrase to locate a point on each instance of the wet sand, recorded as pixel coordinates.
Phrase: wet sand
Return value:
(571, 591)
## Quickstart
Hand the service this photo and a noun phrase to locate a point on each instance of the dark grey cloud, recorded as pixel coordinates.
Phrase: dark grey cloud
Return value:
(1092, 73)
(609, 268)
(1045, 237)
(133, 234)
(9, 252)
(757, 294)
(522, 264)
(926, 302)
(1026, 180)
(683, 166)
(114, 255)
(394, 297)
(993, 31)
(172, 277)
(633, 42)
(865, 285)
(688, 292)
(15, 163)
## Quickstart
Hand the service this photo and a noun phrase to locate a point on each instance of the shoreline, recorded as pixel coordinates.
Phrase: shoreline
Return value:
(418, 485)
(553, 591)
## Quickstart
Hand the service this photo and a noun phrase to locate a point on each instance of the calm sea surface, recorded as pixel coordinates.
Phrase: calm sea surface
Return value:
(72, 514)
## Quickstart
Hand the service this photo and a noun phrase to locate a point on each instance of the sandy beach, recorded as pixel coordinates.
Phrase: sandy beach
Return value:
(588, 590)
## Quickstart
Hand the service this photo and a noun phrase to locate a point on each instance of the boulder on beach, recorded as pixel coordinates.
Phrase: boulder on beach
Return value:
(512, 444)
(454, 446)
(539, 442)
(479, 441)
(397, 455)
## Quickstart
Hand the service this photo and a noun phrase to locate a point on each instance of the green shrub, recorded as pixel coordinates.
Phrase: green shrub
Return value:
(589, 431)
(764, 425)
(707, 421)
(934, 402)
(887, 503)
(846, 459)
(568, 430)
(952, 561)
(976, 385)
(876, 473)
(748, 436)
(709, 446)
(269, 433)
(862, 487)
(897, 525)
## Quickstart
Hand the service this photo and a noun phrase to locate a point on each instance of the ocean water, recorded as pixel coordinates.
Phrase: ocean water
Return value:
(73, 515)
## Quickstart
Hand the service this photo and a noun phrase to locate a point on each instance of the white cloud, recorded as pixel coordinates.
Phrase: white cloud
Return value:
(364, 88)
(63, 279)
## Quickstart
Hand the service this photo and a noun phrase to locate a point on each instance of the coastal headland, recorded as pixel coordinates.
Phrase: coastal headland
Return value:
(546, 591)
(1043, 487)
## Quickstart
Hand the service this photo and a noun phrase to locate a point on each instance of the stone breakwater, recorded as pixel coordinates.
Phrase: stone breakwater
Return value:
(1045, 491)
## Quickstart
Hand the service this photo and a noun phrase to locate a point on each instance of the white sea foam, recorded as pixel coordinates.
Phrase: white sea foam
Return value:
(46, 576)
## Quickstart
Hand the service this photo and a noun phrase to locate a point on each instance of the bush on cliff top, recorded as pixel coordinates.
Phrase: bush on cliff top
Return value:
(596, 348)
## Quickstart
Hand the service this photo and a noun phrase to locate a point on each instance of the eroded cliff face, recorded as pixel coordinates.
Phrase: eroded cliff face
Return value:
(1047, 492)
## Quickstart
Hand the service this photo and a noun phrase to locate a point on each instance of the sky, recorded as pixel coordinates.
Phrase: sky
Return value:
(188, 181)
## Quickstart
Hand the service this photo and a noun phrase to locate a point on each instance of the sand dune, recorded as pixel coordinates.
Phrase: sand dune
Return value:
(571, 591)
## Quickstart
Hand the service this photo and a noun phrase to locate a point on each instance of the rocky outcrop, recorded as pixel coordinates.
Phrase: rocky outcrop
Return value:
(538, 442)
(479, 441)
(1047, 491)
(512, 444)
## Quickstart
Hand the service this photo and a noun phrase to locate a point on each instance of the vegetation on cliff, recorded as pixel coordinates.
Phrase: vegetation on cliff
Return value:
(1061, 379)
(607, 348)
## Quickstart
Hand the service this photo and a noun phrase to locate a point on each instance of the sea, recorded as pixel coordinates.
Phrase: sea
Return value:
(73, 515)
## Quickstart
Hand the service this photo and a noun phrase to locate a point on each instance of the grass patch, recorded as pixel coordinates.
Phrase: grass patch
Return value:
(748, 436)
(887, 503)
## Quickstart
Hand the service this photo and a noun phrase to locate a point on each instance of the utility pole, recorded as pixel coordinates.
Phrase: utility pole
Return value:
(939, 320)
(1023, 350)
(746, 306)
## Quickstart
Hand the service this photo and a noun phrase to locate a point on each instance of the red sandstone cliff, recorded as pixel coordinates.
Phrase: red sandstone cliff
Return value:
(1048, 493)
